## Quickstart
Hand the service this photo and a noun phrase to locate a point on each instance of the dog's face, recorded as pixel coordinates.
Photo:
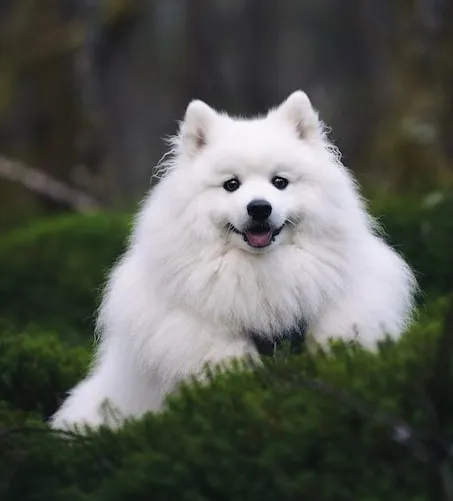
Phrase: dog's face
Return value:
(253, 201)
(258, 214)
(256, 183)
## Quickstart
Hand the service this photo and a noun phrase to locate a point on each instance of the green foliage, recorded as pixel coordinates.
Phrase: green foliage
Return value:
(422, 230)
(51, 273)
(260, 435)
(36, 370)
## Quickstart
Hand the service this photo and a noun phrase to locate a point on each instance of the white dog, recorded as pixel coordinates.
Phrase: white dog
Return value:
(255, 227)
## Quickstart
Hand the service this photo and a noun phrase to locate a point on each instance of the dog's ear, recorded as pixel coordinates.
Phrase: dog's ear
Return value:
(195, 127)
(298, 110)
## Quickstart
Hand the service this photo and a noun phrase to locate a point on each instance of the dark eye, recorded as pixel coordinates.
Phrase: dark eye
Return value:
(232, 184)
(280, 182)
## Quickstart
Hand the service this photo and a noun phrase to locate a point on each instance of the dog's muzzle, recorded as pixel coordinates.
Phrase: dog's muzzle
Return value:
(258, 235)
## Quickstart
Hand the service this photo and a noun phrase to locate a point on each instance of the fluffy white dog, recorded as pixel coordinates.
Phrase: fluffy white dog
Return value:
(255, 227)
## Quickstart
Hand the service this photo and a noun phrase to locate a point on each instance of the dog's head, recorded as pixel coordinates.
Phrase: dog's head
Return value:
(259, 182)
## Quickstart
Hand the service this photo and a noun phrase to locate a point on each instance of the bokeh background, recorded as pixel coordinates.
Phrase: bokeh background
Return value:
(89, 88)
(88, 91)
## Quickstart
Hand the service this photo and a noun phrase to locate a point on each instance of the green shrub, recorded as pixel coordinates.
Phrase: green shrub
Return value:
(36, 370)
(422, 230)
(51, 273)
(257, 435)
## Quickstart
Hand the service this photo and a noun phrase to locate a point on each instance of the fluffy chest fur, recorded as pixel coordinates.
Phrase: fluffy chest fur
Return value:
(266, 293)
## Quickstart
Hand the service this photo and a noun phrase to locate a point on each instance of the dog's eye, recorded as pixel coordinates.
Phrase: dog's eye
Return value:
(232, 184)
(280, 182)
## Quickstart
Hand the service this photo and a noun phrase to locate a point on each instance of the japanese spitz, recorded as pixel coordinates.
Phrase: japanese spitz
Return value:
(255, 227)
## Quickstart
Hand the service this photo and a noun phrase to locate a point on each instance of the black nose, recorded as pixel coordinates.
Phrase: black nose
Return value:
(259, 210)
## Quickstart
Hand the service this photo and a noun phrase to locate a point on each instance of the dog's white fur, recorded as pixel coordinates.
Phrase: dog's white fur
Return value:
(188, 291)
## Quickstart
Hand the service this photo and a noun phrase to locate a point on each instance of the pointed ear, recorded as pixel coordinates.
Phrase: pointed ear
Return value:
(194, 131)
(297, 110)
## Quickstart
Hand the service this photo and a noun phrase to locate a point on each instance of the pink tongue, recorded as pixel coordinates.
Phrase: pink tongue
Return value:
(259, 239)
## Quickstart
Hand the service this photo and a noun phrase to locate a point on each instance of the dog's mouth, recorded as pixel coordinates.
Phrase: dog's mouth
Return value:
(258, 235)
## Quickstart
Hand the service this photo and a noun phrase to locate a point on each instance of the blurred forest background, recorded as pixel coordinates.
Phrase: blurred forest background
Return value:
(88, 90)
